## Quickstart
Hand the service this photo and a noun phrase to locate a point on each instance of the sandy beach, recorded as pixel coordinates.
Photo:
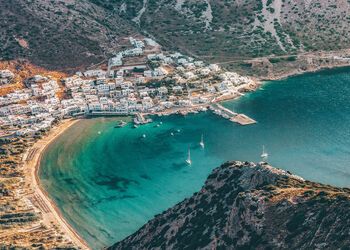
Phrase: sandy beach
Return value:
(51, 216)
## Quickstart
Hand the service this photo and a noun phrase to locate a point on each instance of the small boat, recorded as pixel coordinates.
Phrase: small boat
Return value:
(178, 130)
(121, 124)
(136, 126)
(202, 142)
(264, 154)
(160, 123)
(99, 132)
(188, 160)
(172, 134)
(144, 135)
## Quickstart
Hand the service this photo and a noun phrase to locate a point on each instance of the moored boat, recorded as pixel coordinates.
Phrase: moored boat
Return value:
(264, 154)
(188, 160)
(121, 124)
(202, 142)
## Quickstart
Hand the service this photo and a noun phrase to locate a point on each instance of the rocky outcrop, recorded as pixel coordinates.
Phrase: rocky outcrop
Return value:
(251, 206)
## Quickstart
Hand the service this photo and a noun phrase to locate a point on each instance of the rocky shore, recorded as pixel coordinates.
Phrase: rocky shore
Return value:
(251, 206)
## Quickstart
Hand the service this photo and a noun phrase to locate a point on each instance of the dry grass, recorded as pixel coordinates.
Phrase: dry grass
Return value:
(287, 194)
(24, 69)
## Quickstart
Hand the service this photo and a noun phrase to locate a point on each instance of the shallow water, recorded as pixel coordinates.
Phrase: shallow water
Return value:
(109, 181)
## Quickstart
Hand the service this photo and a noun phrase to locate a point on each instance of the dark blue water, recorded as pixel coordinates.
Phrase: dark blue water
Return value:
(108, 182)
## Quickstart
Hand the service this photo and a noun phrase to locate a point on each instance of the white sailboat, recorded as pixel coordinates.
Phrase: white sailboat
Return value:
(264, 154)
(188, 160)
(202, 142)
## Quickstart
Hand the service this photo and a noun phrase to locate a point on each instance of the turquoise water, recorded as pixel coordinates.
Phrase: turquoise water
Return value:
(109, 181)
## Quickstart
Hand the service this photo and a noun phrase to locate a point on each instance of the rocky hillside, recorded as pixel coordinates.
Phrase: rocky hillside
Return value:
(221, 29)
(249, 206)
(66, 34)
(60, 34)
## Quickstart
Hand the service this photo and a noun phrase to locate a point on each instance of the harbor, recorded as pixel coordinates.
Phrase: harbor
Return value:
(140, 172)
(216, 108)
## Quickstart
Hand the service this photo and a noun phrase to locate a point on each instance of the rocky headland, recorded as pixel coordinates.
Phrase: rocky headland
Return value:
(244, 205)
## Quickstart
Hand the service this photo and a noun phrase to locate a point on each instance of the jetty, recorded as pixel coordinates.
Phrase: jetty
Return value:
(141, 119)
(241, 119)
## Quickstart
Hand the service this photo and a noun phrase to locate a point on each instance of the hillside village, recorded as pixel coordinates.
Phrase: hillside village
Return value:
(141, 79)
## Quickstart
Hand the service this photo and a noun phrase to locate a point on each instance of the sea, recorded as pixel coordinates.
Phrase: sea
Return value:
(109, 181)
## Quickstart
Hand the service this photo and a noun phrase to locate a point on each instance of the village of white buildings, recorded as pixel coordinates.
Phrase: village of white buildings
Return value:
(142, 79)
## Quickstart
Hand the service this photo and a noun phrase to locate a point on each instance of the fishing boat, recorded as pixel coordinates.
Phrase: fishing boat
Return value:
(264, 154)
(202, 142)
(188, 160)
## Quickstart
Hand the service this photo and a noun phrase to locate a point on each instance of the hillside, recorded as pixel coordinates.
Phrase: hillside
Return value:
(67, 34)
(249, 206)
(286, 37)
(61, 34)
(240, 29)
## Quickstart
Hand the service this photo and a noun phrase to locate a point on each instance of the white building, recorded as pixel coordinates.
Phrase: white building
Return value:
(160, 71)
(95, 73)
(151, 42)
(115, 61)
(147, 73)
(162, 90)
(177, 89)
(214, 67)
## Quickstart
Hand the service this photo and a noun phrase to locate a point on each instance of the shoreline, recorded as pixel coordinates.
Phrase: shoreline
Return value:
(298, 72)
(51, 215)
